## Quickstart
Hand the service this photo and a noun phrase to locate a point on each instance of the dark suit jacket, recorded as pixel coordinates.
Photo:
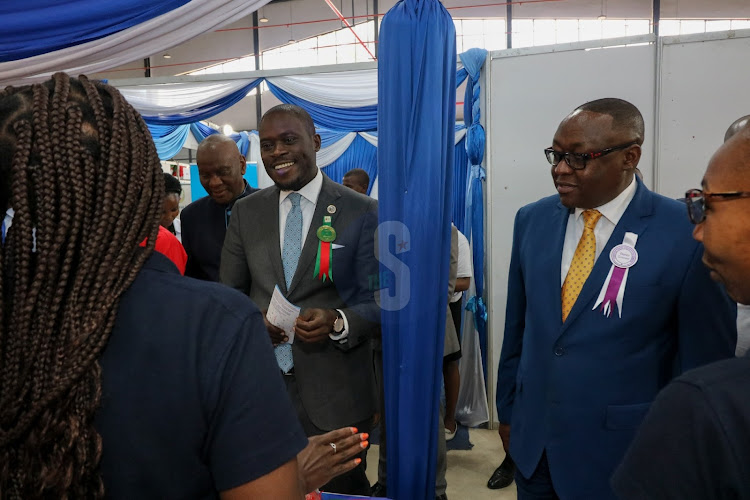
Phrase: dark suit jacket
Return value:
(203, 230)
(335, 379)
(580, 389)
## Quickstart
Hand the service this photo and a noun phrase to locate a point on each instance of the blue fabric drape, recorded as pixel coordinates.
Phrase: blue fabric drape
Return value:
(361, 154)
(473, 59)
(461, 75)
(34, 27)
(203, 112)
(328, 137)
(168, 139)
(243, 142)
(201, 131)
(360, 119)
(460, 170)
(350, 119)
(417, 96)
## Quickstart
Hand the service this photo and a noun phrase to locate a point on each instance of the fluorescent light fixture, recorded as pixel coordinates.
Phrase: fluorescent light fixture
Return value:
(602, 15)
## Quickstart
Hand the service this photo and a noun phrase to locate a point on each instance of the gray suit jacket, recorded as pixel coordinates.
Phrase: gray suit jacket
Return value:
(335, 379)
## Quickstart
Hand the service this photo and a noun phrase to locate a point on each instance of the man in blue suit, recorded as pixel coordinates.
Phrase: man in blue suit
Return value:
(592, 334)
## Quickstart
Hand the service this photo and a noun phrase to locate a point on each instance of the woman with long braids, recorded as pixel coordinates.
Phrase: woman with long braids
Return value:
(101, 393)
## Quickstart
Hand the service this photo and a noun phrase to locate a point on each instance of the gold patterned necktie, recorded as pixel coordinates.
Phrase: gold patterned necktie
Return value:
(582, 263)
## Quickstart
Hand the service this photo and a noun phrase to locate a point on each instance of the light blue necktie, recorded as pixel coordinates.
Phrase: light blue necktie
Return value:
(289, 258)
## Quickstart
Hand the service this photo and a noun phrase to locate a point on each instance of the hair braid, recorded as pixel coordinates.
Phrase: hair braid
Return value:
(72, 250)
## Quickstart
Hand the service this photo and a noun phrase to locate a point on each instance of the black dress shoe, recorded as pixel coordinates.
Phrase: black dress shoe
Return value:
(378, 490)
(503, 475)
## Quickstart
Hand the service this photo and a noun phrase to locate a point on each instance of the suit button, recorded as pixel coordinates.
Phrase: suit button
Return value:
(559, 351)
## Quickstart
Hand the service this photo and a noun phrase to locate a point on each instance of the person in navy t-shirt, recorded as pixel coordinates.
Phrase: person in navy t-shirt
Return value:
(119, 377)
(693, 441)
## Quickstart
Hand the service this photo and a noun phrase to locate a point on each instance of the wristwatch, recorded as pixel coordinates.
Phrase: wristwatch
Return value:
(338, 324)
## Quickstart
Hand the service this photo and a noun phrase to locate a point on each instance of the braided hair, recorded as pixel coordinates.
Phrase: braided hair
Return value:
(80, 171)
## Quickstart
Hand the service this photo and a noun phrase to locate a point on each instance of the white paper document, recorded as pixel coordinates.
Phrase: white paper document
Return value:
(282, 313)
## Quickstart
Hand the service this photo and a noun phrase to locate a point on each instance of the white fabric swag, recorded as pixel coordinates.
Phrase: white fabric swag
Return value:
(151, 37)
(346, 89)
(176, 98)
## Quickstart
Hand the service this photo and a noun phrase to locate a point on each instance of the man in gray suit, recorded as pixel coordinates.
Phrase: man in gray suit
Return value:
(314, 239)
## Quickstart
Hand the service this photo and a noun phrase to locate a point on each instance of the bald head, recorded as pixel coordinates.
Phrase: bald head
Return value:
(625, 116)
(725, 231)
(737, 147)
(736, 126)
(214, 140)
(221, 167)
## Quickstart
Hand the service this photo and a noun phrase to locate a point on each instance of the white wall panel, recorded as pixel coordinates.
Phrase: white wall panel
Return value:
(703, 90)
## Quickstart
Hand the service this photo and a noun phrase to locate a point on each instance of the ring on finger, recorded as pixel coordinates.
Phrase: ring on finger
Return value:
(333, 445)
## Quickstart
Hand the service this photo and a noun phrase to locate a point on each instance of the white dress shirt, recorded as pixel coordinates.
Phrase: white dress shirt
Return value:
(308, 200)
(743, 330)
(463, 269)
(611, 214)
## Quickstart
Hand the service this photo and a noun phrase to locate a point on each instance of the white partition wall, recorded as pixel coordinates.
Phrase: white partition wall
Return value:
(705, 86)
(531, 91)
(689, 89)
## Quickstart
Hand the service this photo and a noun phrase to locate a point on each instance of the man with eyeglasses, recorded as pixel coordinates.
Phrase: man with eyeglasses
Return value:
(607, 301)
(693, 442)
(743, 310)
(205, 221)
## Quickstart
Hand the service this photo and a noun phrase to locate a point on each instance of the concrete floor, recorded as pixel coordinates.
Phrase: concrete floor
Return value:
(468, 471)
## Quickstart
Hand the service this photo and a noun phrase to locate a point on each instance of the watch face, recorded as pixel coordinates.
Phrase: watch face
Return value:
(338, 325)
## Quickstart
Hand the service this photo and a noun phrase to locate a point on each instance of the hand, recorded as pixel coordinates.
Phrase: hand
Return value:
(277, 334)
(318, 463)
(314, 325)
(504, 431)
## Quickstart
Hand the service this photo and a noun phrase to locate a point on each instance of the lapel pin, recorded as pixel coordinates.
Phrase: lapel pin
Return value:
(331, 209)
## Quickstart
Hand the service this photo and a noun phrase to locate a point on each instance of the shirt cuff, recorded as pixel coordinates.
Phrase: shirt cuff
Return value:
(345, 333)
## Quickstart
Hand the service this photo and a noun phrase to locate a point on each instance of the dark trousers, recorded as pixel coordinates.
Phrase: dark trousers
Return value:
(539, 485)
(456, 314)
(355, 481)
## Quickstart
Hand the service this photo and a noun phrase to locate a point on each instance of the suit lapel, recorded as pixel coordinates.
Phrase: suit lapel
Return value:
(269, 220)
(328, 195)
(634, 220)
(559, 226)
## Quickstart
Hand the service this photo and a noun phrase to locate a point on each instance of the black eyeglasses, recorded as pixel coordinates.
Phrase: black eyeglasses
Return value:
(577, 161)
(696, 202)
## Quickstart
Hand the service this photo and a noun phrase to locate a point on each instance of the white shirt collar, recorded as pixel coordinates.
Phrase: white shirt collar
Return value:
(309, 191)
(614, 209)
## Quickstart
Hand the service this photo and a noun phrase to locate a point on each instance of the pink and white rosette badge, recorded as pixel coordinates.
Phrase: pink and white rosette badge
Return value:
(623, 257)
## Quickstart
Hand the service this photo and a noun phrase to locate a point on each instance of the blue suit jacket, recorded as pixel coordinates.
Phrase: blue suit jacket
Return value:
(579, 389)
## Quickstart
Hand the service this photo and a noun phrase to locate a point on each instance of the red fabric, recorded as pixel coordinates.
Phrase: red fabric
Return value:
(168, 244)
(325, 264)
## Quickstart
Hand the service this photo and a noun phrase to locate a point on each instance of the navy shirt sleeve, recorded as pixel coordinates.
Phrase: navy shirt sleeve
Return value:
(682, 450)
(249, 390)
